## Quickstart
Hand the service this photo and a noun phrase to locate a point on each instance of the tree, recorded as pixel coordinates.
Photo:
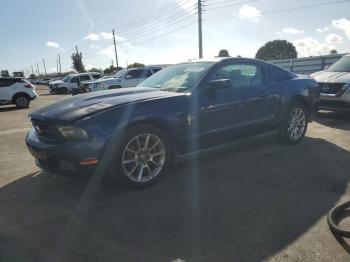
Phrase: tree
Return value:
(77, 59)
(136, 65)
(5, 73)
(95, 70)
(277, 49)
(111, 70)
(333, 52)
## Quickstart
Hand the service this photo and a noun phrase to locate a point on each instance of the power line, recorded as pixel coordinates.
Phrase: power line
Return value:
(229, 5)
(286, 9)
(156, 14)
(142, 33)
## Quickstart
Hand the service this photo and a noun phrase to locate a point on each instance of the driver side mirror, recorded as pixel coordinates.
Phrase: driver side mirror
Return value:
(220, 84)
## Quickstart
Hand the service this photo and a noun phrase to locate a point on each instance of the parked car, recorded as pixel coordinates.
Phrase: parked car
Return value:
(70, 82)
(137, 132)
(44, 81)
(124, 78)
(15, 90)
(335, 85)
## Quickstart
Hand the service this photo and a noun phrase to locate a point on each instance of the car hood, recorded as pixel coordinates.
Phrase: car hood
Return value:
(79, 106)
(55, 82)
(332, 77)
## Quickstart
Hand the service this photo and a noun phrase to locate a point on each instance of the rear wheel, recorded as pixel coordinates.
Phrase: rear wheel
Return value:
(22, 101)
(294, 124)
(142, 157)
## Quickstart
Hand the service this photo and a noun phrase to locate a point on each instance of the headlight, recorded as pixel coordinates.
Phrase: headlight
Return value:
(73, 132)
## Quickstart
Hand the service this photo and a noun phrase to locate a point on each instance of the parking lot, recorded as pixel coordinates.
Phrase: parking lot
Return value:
(255, 201)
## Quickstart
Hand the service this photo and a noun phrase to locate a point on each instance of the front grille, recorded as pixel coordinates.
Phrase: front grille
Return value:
(46, 131)
(332, 88)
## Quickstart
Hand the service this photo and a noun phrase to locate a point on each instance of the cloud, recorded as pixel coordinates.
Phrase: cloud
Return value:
(321, 30)
(109, 51)
(293, 31)
(92, 37)
(311, 47)
(342, 24)
(333, 39)
(52, 44)
(106, 36)
(249, 12)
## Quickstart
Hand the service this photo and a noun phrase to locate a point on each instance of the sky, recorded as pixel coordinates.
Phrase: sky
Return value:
(162, 31)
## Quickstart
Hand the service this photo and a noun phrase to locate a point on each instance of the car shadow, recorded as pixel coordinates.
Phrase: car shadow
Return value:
(243, 203)
(9, 108)
(338, 120)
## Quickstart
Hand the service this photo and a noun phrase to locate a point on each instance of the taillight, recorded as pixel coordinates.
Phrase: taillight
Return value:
(28, 86)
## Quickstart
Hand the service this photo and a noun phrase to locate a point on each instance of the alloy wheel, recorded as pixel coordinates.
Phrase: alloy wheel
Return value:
(296, 123)
(143, 157)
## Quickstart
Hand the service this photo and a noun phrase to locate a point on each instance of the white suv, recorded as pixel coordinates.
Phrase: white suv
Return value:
(334, 85)
(130, 77)
(72, 81)
(16, 91)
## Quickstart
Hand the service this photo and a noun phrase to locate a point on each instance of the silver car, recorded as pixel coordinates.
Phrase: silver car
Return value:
(334, 83)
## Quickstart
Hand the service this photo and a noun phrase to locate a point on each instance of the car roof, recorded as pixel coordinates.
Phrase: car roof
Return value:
(85, 73)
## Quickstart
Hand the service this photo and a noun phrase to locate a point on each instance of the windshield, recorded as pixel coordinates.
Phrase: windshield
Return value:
(66, 79)
(119, 74)
(342, 65)
(178, 78)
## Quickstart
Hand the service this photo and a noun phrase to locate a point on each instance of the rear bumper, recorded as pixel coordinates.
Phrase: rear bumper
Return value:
(65, 158)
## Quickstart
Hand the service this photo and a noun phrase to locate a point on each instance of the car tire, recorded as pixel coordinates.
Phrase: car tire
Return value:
(294, 123)
(142, 157)
(22, 101)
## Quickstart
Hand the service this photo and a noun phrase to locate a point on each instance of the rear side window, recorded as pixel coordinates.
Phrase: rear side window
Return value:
(278, 74)
(9, 81)
(132, 74)
(96, 76)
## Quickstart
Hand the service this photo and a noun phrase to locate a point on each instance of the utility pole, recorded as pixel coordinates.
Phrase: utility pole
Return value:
(115, 49)
(37, 67)
(44, 66)
(59, 62)
(200, 43)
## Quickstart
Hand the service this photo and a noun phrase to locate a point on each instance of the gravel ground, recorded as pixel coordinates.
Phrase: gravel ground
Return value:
(255, 201)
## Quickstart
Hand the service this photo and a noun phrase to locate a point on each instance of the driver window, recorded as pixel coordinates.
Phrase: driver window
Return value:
(241, 75)
(74, 80)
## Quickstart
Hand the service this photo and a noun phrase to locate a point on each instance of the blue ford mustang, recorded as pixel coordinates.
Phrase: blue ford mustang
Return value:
(135, 133)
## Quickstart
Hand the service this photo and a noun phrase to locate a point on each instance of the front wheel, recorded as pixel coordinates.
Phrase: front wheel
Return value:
(143, 156)
(294, 124)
